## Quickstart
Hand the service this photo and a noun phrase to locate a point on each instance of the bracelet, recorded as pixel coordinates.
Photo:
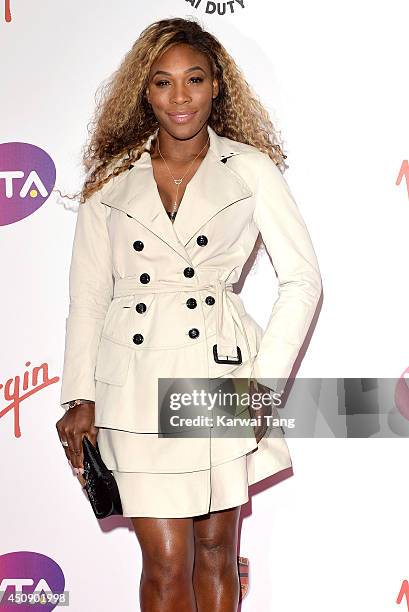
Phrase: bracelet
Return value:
(76, 402)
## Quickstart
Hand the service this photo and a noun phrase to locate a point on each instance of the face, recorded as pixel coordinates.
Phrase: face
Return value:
(181, 90)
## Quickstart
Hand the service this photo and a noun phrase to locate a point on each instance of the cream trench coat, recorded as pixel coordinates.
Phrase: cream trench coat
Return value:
(133, 274)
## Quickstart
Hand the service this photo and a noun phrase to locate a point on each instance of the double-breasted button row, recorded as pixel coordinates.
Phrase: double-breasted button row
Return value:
(192, 303)
(145, 278)
(201, 240)
(193, 333)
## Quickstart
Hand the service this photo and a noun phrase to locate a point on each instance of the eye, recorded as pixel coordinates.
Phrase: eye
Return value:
(197, 79)
(160, 83)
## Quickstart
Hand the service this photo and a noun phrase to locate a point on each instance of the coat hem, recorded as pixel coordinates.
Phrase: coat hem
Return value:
(175, 471)
(184, 514)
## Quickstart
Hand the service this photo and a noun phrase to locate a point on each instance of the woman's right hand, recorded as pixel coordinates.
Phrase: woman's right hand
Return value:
(263, 411)
(72, 427)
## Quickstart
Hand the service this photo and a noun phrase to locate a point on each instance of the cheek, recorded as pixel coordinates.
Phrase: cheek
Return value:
(203, 97)
(158, 98)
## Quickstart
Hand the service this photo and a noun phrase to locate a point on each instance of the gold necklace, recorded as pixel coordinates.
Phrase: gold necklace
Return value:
(172, 213)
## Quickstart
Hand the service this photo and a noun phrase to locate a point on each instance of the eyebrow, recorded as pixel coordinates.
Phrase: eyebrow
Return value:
(169, 73)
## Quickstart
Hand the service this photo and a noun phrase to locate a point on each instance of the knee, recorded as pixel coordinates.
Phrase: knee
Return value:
(167, 569)
(220, 556)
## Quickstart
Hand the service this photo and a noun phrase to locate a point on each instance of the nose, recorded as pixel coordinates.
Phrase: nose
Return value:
(180, 94)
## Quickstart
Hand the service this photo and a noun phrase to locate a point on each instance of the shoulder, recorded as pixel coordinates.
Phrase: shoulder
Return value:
(235, 146)
(254, 166)
(246, 155)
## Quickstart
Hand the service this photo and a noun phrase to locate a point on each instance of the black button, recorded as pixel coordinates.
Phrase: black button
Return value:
(188, 272)
(201, 240)
(210, 300)
(138, 245)
(140, 307)
(193, 333)
(130, 216)
(144, 278)
(138, 338)
(191, 303)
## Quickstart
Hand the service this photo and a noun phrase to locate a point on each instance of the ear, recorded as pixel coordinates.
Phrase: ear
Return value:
(147, 94)
(215, 88)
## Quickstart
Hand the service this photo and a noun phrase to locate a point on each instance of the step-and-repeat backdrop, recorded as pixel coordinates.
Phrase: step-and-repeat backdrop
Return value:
(333, 77)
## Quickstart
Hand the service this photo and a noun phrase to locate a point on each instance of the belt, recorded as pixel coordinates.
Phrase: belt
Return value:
(225, 350)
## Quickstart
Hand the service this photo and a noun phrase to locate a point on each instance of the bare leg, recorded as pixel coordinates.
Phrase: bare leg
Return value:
(215, 574)
(168, 556)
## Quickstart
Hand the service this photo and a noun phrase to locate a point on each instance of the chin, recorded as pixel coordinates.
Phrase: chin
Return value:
(183, 130)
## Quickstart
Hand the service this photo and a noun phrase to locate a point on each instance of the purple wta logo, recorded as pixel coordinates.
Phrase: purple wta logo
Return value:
(30, 581)
(27, 177)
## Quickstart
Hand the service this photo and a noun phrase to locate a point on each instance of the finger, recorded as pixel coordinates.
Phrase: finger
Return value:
(63, 442)
(67, 452)
(78, 452)
(75, 448)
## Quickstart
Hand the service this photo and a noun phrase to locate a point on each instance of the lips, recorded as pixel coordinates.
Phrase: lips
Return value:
(182, 117)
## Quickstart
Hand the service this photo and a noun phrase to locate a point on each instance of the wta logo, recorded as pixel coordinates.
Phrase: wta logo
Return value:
(30, 581)
(27, 177)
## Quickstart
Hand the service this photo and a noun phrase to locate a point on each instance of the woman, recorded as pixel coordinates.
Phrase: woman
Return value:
(184, 174)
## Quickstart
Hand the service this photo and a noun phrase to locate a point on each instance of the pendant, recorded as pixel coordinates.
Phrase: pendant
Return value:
(177, 181)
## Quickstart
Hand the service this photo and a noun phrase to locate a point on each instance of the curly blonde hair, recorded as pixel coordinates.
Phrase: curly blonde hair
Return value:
(123, 119)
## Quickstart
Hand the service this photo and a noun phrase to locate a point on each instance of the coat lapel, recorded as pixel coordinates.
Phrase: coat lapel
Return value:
(213, 187)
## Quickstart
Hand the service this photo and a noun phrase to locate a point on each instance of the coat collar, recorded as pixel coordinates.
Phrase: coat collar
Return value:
(213, 187)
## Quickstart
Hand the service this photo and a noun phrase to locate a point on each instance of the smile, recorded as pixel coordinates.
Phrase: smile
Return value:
(181, 117)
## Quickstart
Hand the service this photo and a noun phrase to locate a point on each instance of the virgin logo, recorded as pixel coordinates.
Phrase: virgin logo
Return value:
(7, 11)
(27, 177)
(404, 173)
(18, 389)
(403, 593)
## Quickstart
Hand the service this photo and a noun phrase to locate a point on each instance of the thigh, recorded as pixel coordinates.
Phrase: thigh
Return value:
(164, 539)
(217, 529)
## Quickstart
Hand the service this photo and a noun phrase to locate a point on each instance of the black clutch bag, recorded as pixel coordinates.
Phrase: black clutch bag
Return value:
(100, 484)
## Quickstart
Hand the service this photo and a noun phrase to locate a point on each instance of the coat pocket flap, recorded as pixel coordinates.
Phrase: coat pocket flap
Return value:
(112, 363)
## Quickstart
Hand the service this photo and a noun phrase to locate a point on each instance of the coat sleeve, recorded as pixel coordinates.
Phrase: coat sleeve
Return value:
(287, 240)
(90, 291)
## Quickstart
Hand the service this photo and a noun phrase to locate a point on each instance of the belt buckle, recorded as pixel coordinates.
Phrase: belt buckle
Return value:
(217, 359)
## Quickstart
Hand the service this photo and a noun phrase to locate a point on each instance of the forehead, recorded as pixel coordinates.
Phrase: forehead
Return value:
(180, 56)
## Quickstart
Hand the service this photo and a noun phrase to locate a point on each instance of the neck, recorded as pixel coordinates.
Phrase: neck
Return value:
(181, 151)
